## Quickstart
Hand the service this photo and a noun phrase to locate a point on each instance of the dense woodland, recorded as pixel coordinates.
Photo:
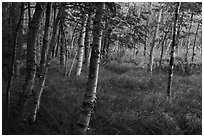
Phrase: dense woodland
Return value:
(111, 68)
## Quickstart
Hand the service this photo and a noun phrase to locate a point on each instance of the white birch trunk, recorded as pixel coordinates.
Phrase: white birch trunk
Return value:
(81, 47)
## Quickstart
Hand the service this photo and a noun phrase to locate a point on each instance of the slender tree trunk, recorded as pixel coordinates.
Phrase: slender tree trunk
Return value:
(151, 56)
(19, 61)
(62, 46)
(66, 60)
(188, 44)
(41, 84)
(63, 41)
(162, 50)
(138, 42)
(31, 59)
(90, 93)
(38, 50)
(73, 36)
(178, 33)
(66, 54)
(66, 50)
(194, 44)
(104, 40)
(178, 41)
(13, 61)
(81, 47)
(45, 38)
(171, 62)
(53, 20)
(87, 40)
(29, 13)
(57, 44)
(147, 24)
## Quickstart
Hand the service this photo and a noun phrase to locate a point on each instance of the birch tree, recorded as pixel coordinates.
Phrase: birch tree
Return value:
(15, 29)
(152, 44)
(171, 62)
(147, 24)
(194, 43)
(45, 37)
(90, 93)
(41, 84)
(81, 45)
(31, 58)
(188, 43)
(62, 45)
(87, 39)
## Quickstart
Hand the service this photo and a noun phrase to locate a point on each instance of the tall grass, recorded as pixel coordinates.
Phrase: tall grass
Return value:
(128, 102)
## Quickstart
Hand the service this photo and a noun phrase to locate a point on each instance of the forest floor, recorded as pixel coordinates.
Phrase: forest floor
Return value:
(129, 102)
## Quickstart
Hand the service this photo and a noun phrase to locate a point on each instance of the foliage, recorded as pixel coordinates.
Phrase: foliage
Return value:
(129, 101)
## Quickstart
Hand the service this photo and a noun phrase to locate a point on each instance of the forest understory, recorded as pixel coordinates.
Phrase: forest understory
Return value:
(101, 68)
(128, 102)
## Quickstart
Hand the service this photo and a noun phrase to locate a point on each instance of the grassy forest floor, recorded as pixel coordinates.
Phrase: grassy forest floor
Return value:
(128, 102)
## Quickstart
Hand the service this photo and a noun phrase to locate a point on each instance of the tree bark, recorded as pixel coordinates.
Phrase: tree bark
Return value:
(31, 59)
(81, 47)
(87, 40)
(53, 20)
(162, 50)
(151, 56)
(45, 38)
(147, 24)
(66, 50)
(194, 44)
(62, 46)
(41, 84)
(73, 36)
(57, 44)
(90, 93)
(188, 44)
(29, 13)
(171, 62)
(178, 33)
(13, 61)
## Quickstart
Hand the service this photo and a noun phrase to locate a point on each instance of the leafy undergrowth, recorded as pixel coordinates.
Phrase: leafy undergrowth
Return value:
(128, 102)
